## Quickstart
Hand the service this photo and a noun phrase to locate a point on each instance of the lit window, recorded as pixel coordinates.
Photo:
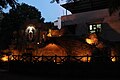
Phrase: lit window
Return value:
(90, 27)
(98, 25)
(95, 28)
(92, 31)
(94, 25)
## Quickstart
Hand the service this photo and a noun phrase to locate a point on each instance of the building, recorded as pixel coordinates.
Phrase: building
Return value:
(89, 16)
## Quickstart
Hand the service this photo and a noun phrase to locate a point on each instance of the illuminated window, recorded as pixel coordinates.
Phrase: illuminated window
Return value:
(90, 27)
(95, 28)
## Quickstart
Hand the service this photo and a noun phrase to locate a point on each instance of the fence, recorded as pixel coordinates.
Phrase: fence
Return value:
(62, 59)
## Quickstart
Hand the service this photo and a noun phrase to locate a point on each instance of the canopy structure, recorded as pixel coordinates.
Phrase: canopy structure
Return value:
(85, 5)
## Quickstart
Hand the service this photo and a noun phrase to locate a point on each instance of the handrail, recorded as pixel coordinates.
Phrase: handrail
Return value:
(60, 59)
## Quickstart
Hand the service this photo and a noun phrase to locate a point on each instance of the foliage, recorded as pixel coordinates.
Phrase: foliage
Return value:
(4, 3)
(16, 17)
(55, 1)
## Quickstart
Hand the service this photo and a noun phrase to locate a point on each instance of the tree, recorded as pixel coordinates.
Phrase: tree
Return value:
(4, 3)
(16, 18)
(55, 1)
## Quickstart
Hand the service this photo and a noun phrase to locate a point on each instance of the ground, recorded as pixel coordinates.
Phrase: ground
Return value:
(63, 72)
(10, 76)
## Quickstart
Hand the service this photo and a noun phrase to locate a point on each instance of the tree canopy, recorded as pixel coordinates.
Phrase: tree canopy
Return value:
(17, 16)
(4, 3)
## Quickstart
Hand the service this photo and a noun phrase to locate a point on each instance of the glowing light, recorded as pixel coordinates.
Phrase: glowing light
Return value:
(59, 35)
(89, 41)
(5, 58)
(43, 36)
(58, 63)
(85, 59)
(92, 39)
(54, 61)
(38, 43)
(113, 59)
(49, 34)
(12, 58)
(30, 29)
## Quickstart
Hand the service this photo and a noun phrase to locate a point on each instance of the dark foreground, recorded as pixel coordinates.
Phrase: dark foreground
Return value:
(51, 71)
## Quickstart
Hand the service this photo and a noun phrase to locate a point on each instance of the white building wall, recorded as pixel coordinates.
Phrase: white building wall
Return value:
(58, 23)
(112, 29)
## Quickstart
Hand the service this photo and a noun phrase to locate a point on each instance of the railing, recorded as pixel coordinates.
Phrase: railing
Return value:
(62, 59)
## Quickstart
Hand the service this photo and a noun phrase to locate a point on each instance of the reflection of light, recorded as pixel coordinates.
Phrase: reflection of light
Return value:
(5, 58)
(89, 41)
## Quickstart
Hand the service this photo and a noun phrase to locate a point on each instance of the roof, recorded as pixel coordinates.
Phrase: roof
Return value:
(85, 5)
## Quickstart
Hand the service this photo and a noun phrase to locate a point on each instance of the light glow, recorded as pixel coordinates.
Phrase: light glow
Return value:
(85, 59)
(92, 39)
(30, 29)
(38, 43)
(4, 58)
(89, 41)
(49, 34)
(113, 59)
